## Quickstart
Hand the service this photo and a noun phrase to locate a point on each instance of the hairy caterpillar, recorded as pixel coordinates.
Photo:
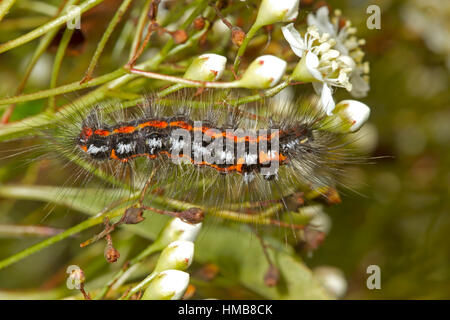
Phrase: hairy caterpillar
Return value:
(219, 157)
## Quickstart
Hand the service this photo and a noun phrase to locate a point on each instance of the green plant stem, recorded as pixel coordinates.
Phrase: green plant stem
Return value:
(39, 7)
(43, 45)
(109, 30)
(266, 94)
(173, 88)
(135, 289)
(55, 23)
(22, 23)
(57, 64)
(5, 5)
(62, 89)
(139, 29)
(26, 231)
(187, 82)
(63, 235)
(250, 34)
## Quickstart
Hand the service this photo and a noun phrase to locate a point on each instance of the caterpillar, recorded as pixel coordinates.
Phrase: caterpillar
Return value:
(218, 157)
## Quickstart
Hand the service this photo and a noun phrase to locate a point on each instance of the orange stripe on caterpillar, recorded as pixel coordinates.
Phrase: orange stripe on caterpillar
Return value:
(128, 129)
(103, 133)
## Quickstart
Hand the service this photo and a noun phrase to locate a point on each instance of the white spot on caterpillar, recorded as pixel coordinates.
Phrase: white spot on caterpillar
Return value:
(125, 147)
(154, 143)
(94, 149)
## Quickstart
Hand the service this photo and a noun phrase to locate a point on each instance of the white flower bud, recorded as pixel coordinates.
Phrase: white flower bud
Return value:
(207, 67)
(264, 72)
(176, 229)
(167, 285)
(332, 279)
(352, 114)
(178, 255)
(272, 11)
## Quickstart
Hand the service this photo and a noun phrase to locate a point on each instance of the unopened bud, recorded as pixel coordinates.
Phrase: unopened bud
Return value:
(167, 285)
(272, 11)
(178, 255)
(332, 279)
(350, 115)
(264, 72)
(176, 229)
(207, 67)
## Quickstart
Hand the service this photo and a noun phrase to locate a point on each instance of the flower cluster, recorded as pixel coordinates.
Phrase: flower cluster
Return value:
(320, 63)
(330, 56)
(347, 44)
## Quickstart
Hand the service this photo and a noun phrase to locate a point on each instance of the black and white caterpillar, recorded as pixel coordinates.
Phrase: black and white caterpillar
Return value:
(216, 156)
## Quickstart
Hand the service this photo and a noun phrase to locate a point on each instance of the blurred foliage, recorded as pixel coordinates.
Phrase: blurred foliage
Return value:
(398, 218)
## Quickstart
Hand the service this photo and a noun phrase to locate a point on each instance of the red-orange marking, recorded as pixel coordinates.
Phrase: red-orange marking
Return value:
(101, 132)
(154, 123)
(181, 124)
(87, 132)
(124, 129)
(114, 156)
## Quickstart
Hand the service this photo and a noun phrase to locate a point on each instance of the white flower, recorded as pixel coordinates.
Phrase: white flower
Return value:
(351, 115)
(167, 285)
(177, 229)
(320, 63)
(177, 255)
(264, 72)
(207, 67)
(272, 11)
(347, 44)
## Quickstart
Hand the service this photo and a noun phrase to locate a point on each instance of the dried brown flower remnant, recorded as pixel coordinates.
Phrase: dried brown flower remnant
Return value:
(237, 36)
(192, 215)
(179, 36)
(199, 23)
(111, 253)
(272, 276)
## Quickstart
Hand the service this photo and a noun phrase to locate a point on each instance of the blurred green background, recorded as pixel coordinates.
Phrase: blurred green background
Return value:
(399, 217)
